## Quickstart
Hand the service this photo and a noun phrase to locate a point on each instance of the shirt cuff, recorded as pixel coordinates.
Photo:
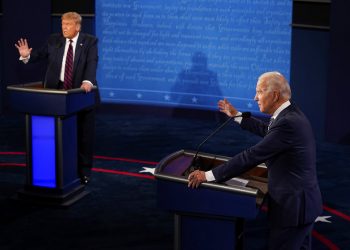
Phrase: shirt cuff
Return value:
(87, 81)
(25, 60)
(209, 176)
(238, 119)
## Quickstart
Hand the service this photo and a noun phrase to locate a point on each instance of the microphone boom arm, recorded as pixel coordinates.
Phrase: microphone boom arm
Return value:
(244, 115)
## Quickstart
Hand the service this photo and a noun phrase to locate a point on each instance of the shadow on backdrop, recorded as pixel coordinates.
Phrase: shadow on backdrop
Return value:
(196, 87)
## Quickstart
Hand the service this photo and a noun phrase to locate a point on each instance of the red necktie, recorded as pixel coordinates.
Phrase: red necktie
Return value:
(68, 70)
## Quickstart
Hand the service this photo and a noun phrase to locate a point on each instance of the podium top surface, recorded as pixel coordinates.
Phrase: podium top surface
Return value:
(37, 87)
(240, 197)
(34, 99)
(176, 167)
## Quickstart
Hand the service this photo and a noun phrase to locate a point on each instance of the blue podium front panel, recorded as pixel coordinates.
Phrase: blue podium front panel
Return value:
(43, 151)
(206, 233)
(176, 196)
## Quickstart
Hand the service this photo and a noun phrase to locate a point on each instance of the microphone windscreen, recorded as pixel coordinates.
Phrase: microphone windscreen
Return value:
(246, 114)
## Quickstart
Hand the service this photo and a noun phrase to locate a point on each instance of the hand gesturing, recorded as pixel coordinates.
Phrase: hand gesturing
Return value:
(23, 49)
(227, 108)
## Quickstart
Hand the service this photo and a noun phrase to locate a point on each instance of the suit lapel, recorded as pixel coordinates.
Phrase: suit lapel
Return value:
(78, 50)
(60, 50)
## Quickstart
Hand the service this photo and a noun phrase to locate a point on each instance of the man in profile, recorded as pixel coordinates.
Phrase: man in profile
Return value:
(288, 150)
(71, 63)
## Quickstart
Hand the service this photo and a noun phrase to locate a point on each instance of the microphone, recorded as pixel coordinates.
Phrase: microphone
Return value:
(243, 115)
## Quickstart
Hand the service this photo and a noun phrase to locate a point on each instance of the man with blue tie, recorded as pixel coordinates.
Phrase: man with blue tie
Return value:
(71, 63)
(288, 150)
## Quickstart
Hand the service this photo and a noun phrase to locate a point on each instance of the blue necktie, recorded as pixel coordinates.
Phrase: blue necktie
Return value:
(270, 123)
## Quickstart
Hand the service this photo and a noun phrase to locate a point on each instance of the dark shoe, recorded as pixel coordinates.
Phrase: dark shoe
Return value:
(85, 180)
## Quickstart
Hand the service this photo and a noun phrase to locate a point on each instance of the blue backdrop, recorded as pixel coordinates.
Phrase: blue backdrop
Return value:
(190, 53)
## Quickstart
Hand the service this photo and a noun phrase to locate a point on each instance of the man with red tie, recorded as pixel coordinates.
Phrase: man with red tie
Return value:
(71, 63)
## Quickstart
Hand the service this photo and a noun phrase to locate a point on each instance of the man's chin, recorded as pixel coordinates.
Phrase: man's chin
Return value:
(65, 35)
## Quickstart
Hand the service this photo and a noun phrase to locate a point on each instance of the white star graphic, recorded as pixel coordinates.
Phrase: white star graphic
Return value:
(111, 94)
(139, 95)
(249, 105)
(148, 170)
(323, 219)
(194, 99)
(167, 97)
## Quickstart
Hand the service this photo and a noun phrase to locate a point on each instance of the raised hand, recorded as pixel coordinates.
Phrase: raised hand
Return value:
(227, 108)
(23, 49)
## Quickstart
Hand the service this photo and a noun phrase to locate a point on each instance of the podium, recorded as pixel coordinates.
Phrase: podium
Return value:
(211, 216)
(51, 142)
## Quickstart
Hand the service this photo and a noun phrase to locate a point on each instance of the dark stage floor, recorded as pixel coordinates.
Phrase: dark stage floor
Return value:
(120, 212)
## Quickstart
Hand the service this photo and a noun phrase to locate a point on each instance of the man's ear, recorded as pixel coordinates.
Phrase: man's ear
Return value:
(78, 27)
(276, 96)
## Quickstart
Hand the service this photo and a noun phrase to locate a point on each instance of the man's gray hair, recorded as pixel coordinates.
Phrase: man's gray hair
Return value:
(276, 81)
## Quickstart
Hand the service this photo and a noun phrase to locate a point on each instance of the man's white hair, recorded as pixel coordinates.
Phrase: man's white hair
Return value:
(276, 81)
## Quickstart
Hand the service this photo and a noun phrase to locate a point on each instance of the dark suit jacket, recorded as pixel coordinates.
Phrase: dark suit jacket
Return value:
(84, 68)
(288, 149)
(85, 59)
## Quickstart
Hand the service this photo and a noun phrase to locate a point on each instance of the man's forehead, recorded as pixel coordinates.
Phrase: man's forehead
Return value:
(261, 84)
(68, 20)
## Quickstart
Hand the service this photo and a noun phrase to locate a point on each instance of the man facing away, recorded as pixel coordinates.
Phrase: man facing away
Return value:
(288, 150)
(72, 61)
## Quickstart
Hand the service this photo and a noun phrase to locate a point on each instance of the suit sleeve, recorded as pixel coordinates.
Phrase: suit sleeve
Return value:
(254, 126)
(52, 44)
(39, 54)
(91, 62)
(276, 141)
